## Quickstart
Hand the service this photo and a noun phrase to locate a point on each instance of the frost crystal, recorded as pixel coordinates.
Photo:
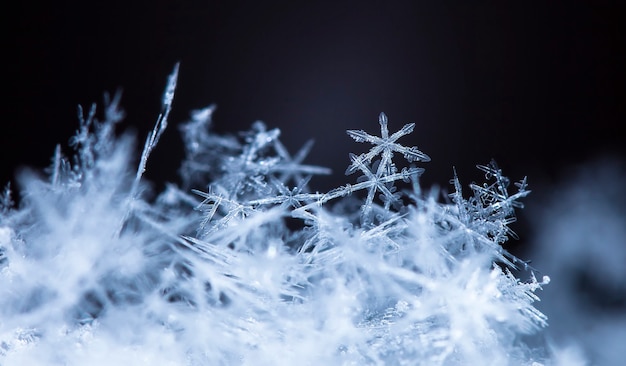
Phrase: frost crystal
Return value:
(385, 146)
(384, 173)
(242, 264)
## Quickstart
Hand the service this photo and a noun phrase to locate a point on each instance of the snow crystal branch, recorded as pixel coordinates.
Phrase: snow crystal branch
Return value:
(159, 127)
(151, 141)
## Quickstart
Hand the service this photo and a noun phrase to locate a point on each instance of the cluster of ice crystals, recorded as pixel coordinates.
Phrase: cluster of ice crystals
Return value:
(243, 264)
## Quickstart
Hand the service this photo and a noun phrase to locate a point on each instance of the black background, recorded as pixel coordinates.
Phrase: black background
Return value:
(537, 85)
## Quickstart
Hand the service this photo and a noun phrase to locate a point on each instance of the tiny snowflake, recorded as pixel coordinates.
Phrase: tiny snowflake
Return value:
(385, 146)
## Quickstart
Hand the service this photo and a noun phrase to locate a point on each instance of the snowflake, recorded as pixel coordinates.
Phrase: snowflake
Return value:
(292, 169)
(385, 146)
(383, 173)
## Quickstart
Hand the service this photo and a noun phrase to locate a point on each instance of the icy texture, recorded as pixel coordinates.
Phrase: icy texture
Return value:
(242, 264)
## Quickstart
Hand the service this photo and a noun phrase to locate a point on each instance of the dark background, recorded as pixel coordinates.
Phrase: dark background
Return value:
(537, 85)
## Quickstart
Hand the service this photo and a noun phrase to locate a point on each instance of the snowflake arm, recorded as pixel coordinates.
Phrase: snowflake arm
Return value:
(159, 127)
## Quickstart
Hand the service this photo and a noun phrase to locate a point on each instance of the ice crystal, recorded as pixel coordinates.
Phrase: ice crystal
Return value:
(486, 215)
(384, 173)
(385, 146)
(242, 264)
